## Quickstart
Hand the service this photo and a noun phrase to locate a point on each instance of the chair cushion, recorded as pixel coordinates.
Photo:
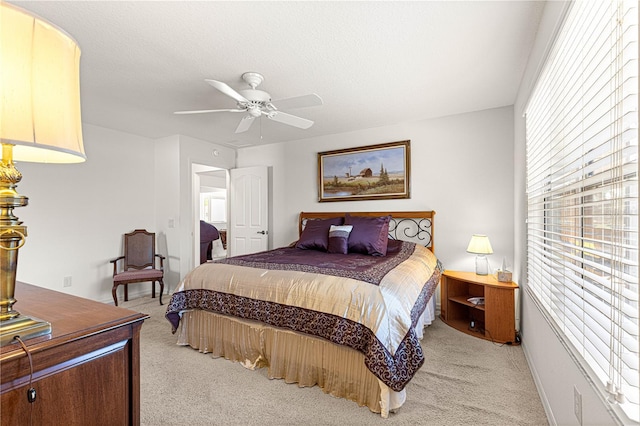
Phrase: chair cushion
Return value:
(150, 274)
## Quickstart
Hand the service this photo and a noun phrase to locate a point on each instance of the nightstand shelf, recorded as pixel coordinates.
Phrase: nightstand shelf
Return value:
(494, 320)
(463, 301)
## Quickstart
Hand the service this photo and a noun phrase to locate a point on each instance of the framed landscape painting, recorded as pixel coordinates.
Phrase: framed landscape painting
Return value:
(373, 172)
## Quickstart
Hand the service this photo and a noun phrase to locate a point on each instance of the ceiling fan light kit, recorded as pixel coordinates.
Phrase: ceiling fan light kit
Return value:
(256, 103)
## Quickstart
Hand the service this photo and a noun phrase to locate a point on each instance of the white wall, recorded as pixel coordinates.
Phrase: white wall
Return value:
(461, 167)
(554, 371)
(77, 213)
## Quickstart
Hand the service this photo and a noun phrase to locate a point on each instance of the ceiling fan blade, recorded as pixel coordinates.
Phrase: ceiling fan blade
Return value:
(209, 110)
(227, 90)
(291, 120)
(303, 101)
(244, 124)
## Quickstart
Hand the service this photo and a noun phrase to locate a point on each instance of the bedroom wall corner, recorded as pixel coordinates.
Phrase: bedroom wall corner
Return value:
(77, 213)
(167, 206)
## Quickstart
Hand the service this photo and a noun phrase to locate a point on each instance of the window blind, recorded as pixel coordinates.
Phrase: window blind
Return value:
(582, 191)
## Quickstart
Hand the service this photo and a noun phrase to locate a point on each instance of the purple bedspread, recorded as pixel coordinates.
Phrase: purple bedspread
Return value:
(361, 267)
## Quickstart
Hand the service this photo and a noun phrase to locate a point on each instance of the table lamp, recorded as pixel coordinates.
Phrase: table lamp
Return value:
(39, 122)
(480, 246)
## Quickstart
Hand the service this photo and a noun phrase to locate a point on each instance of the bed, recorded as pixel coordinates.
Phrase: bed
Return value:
(342, 308)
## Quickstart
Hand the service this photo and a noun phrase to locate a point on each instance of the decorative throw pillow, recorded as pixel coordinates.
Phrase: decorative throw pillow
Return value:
(338, 237)
(315, 235)
(369, 234)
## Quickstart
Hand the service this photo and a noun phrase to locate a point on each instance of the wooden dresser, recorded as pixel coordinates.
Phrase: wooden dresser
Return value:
(87, 371)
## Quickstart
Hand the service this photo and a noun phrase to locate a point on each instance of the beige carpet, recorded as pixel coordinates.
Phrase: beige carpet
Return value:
(464, 381)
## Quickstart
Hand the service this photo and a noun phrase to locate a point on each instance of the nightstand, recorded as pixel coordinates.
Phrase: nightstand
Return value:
(494, 319)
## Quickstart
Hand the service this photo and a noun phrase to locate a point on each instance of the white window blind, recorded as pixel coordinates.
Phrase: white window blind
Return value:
(582, 189)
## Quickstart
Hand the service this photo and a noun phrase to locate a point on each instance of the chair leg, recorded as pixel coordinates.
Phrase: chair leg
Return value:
(161, 288)
(126, 292)
(113, 293)
(153, 289)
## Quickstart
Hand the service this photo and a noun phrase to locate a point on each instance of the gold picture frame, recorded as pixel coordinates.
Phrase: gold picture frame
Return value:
(372, 172)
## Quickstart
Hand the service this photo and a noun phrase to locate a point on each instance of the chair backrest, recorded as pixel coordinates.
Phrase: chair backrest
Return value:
(208, 232)
(139, 249)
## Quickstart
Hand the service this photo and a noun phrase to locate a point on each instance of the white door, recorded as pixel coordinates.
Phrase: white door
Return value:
(249, 216)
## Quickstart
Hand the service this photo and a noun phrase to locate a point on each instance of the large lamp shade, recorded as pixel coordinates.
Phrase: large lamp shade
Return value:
(39, 89)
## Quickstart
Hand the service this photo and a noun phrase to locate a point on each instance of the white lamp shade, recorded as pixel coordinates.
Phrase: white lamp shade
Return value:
(479, 244)
(39, 89)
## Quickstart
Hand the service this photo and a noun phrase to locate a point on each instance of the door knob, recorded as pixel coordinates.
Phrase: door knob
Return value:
(262, 232)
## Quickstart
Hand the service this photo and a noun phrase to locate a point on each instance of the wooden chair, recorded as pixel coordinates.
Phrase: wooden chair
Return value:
(138, 264)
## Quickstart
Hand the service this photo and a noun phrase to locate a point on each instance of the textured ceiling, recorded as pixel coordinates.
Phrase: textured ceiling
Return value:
(372, 63)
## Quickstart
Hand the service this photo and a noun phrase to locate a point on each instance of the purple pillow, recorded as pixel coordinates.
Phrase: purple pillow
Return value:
(315, 235)
(369, 234)
(338, 237)
(393, 246)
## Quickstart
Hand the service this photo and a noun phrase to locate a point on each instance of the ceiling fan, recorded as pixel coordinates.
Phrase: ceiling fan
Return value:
(257, 103)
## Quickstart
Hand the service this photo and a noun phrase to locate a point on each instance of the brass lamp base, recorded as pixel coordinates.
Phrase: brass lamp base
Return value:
(12, 237)
(23, 327)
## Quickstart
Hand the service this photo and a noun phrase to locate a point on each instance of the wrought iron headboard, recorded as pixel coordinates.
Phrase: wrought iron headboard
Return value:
(414, 226)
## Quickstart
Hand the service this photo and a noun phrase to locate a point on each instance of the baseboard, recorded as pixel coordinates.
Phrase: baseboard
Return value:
(536, 379)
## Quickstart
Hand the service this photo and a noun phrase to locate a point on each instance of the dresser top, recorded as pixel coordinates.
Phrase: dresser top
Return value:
(71, 317)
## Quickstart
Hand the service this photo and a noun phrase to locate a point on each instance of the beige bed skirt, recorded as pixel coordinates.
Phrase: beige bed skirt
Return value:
(294, 357)
(297, 358)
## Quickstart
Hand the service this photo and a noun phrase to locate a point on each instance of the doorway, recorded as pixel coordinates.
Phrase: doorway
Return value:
(210, 204)
(248, 230)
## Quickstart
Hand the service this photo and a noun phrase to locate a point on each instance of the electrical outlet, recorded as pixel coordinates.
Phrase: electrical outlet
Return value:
(577, 404)
(66, 281)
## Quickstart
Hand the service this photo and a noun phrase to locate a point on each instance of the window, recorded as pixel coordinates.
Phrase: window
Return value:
(213, 206)
(582, 190)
